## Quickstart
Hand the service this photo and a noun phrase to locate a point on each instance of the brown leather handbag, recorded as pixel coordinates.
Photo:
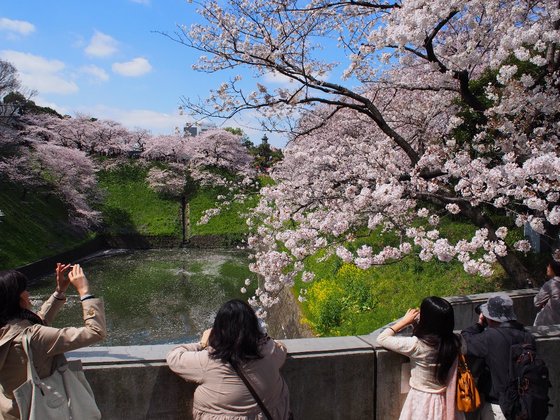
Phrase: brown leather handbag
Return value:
(468, 398)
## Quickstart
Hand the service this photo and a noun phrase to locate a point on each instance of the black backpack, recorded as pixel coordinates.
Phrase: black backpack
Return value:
(526, 395)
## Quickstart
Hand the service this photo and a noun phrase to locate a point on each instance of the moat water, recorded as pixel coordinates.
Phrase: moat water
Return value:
(155, 296)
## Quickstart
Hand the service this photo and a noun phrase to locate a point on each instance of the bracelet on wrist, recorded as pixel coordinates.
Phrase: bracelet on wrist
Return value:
(86, 297)
(392, 329)
(59, 295)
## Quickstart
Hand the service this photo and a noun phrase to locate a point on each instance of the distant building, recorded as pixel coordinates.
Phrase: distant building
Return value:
(196, 130)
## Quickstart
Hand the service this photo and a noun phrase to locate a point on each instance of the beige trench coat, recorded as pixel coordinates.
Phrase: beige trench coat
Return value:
(46, 342)
(222, 395)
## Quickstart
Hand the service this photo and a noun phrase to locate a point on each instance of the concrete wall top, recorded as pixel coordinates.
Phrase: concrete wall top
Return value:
(301, 347)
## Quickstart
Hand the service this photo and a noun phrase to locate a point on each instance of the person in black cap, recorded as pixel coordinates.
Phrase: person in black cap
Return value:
(490, 339)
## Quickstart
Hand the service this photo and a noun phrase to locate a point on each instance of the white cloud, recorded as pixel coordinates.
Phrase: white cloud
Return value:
(156, 122)
(146, 2)
(40, 73)
(277, 78)
(133, 68)
(101, 45)
(32, 63)
(50, 83)
(97, 73)
(39, 100)
(19, 27)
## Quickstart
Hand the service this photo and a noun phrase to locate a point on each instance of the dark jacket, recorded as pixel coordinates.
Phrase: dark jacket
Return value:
(493, 346)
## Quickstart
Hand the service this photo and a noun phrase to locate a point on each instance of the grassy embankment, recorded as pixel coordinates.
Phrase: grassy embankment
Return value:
(34, 226)
(35, 223)
(130, 206)
(345, 300)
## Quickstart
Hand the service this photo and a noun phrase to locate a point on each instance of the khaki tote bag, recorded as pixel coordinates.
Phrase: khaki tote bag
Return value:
(65, 395)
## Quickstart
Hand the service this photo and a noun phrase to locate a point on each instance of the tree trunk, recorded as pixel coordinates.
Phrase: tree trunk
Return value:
(519, 275)
(183, 217)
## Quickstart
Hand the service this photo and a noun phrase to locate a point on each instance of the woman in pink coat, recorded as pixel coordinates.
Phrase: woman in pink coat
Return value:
(234, 340)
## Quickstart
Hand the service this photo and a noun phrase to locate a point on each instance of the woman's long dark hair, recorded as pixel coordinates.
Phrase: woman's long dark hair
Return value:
(12, 285)
(435, 328)
(235, 335)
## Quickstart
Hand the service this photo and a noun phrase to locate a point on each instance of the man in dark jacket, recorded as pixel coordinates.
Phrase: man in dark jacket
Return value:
(490, 339)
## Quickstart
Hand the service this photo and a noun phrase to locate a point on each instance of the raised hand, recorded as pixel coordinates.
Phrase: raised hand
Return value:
(205, 337)
(62, 281)
(79, 280)
(409, 318)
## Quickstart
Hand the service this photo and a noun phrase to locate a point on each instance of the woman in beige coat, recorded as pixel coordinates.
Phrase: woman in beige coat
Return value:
(17, 319)
(235, 339)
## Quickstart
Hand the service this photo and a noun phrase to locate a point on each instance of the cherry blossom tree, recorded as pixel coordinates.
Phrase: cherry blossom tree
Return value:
(93, 136)
(442, 108)
(31, 161)
(220, 149)
(170, 148)
(46, 150)
(71, 173)
(216, 158)
(34, 144)
(16, 160)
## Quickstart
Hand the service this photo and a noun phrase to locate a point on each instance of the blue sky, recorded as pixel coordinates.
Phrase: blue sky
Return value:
(103, 58)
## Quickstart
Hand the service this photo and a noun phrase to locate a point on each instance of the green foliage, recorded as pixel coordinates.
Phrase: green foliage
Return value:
(352, 301)
(34, 226)
(231, 221)
(345, 300)
(265, 156)
(27, 105)
(131, 206)
(265, 181)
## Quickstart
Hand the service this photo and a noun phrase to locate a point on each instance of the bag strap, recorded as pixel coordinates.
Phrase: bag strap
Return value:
(31, 372)
(252, 391)
(511, 342)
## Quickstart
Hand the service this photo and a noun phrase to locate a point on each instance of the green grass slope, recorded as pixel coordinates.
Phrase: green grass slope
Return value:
(345, 300)
(230, 221)
(34, 225)
(130, 206)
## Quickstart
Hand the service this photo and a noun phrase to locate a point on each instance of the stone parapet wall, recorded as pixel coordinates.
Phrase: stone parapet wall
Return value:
(329, 378)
